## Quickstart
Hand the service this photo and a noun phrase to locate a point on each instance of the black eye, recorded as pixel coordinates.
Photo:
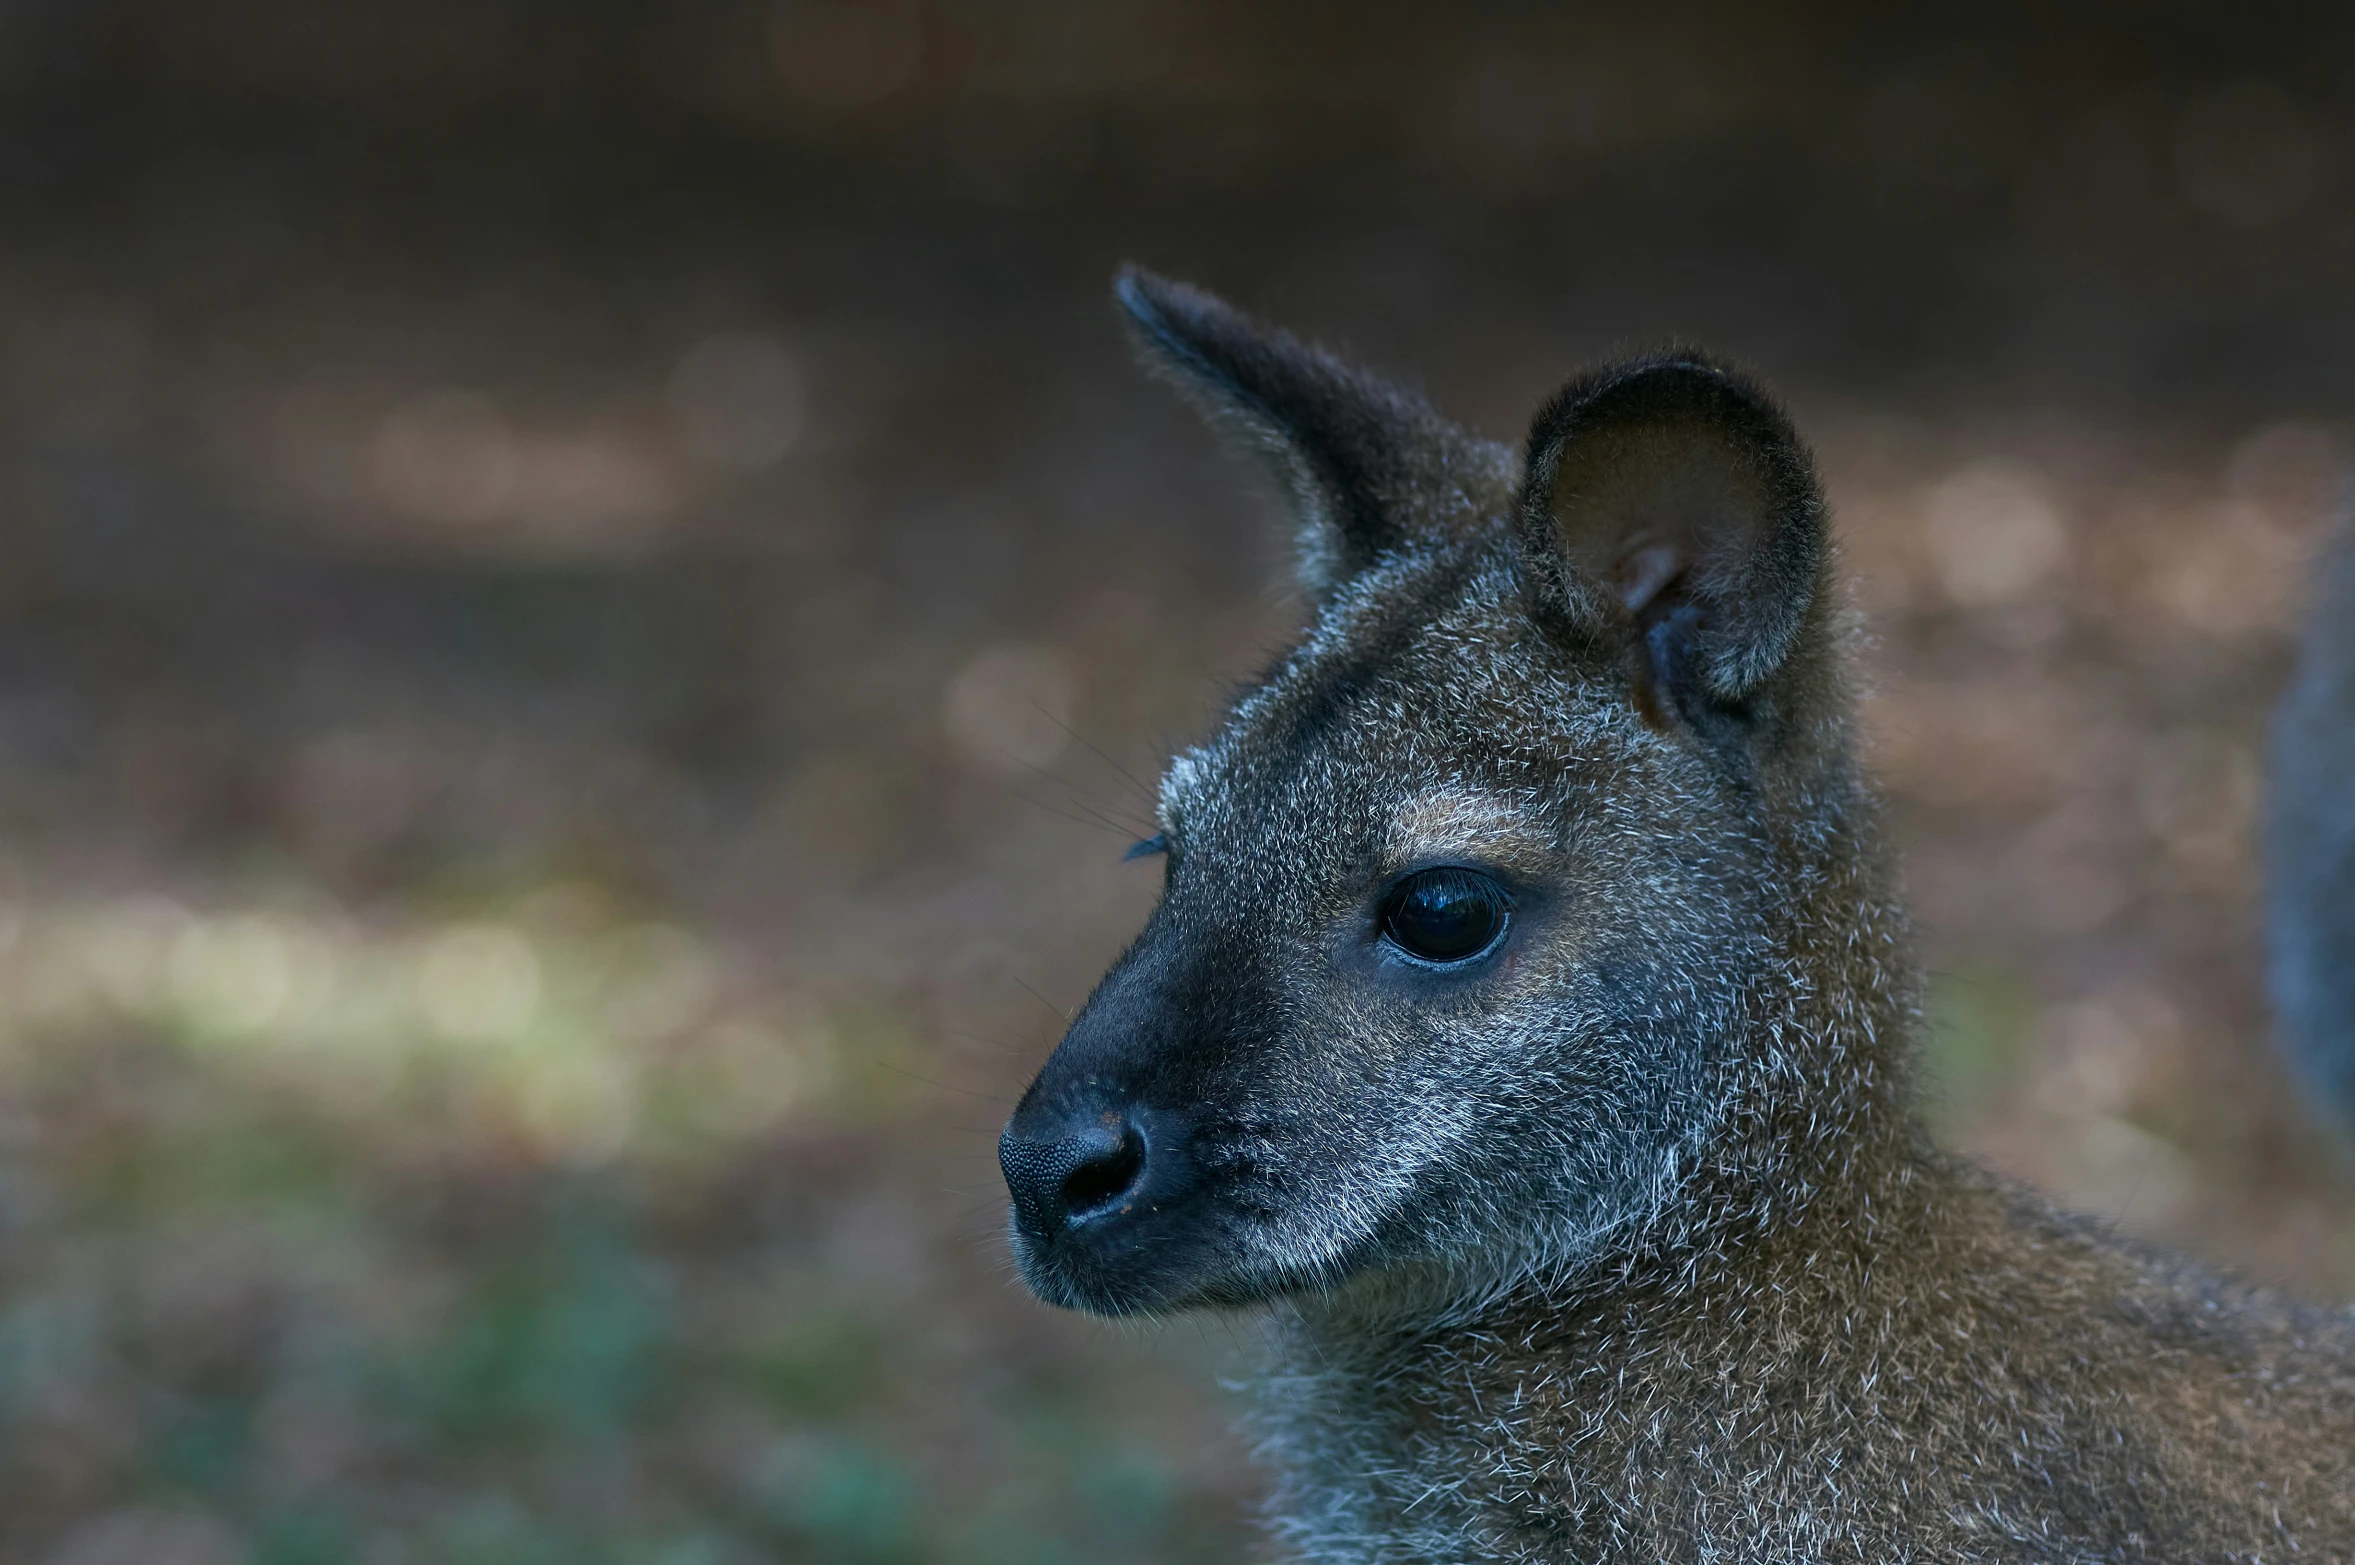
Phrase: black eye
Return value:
(1446, 915)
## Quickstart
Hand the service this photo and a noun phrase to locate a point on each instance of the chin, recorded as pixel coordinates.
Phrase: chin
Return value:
(1121, 1272)
(1111, 1275)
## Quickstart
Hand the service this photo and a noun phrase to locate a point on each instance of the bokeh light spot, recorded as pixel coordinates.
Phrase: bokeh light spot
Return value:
(446, 456)
(244, 972)
(740, 401)
(480, 982)
(1994, 534)
(1010, 709)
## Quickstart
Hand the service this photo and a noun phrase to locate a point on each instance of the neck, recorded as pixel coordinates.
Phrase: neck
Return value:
(1819, 1129)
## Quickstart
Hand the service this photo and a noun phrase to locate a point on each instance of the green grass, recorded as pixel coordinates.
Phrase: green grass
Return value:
(597, 1253)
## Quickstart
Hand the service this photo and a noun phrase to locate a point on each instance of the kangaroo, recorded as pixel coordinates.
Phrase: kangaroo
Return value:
(1527, 1026)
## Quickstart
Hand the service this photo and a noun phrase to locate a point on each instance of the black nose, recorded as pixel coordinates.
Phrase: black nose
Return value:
(1064, 1175)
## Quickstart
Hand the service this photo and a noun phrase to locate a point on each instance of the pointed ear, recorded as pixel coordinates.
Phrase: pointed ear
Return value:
(1669, 509)
(1356, 456)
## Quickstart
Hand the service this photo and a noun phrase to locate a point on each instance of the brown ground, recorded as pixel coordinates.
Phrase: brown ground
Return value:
(577, 579)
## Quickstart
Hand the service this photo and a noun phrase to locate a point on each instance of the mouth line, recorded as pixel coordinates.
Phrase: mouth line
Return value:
(1212, 1267)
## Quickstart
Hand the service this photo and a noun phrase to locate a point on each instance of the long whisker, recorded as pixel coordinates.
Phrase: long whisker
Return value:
(1043, 1000)
(1146, 793)
(1099, 822)
(1111, 808)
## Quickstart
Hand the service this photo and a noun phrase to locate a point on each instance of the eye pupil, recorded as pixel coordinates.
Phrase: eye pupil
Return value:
(1445, 915)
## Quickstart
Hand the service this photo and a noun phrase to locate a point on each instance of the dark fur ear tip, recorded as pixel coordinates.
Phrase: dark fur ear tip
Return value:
(1158, 306)
(1679, 387)
(1139, 290)
(1178, 325)
(1664, 385)
(1361, 460)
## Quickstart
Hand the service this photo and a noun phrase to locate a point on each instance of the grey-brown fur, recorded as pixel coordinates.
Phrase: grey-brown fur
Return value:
(1619, 1241)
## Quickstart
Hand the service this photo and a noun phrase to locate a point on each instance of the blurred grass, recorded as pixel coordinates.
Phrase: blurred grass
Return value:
(1978, 1029)
(335, 1240)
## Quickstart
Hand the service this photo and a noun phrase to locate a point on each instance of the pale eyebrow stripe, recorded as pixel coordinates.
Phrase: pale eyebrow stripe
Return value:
(1439, 822)
(1181, 782)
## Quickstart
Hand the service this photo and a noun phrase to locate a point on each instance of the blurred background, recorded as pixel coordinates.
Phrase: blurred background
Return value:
(584, 586)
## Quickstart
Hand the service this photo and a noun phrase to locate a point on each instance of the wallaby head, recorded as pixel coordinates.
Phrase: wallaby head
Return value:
(1496, 914)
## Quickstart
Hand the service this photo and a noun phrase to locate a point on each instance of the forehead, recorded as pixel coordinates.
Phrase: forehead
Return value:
(1423, 702)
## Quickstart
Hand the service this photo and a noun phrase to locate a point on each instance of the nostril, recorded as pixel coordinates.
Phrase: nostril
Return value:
(1079, 1173)
(1100, 1181)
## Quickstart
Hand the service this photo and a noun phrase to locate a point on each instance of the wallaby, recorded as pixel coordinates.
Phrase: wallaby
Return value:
(1528, 1023)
